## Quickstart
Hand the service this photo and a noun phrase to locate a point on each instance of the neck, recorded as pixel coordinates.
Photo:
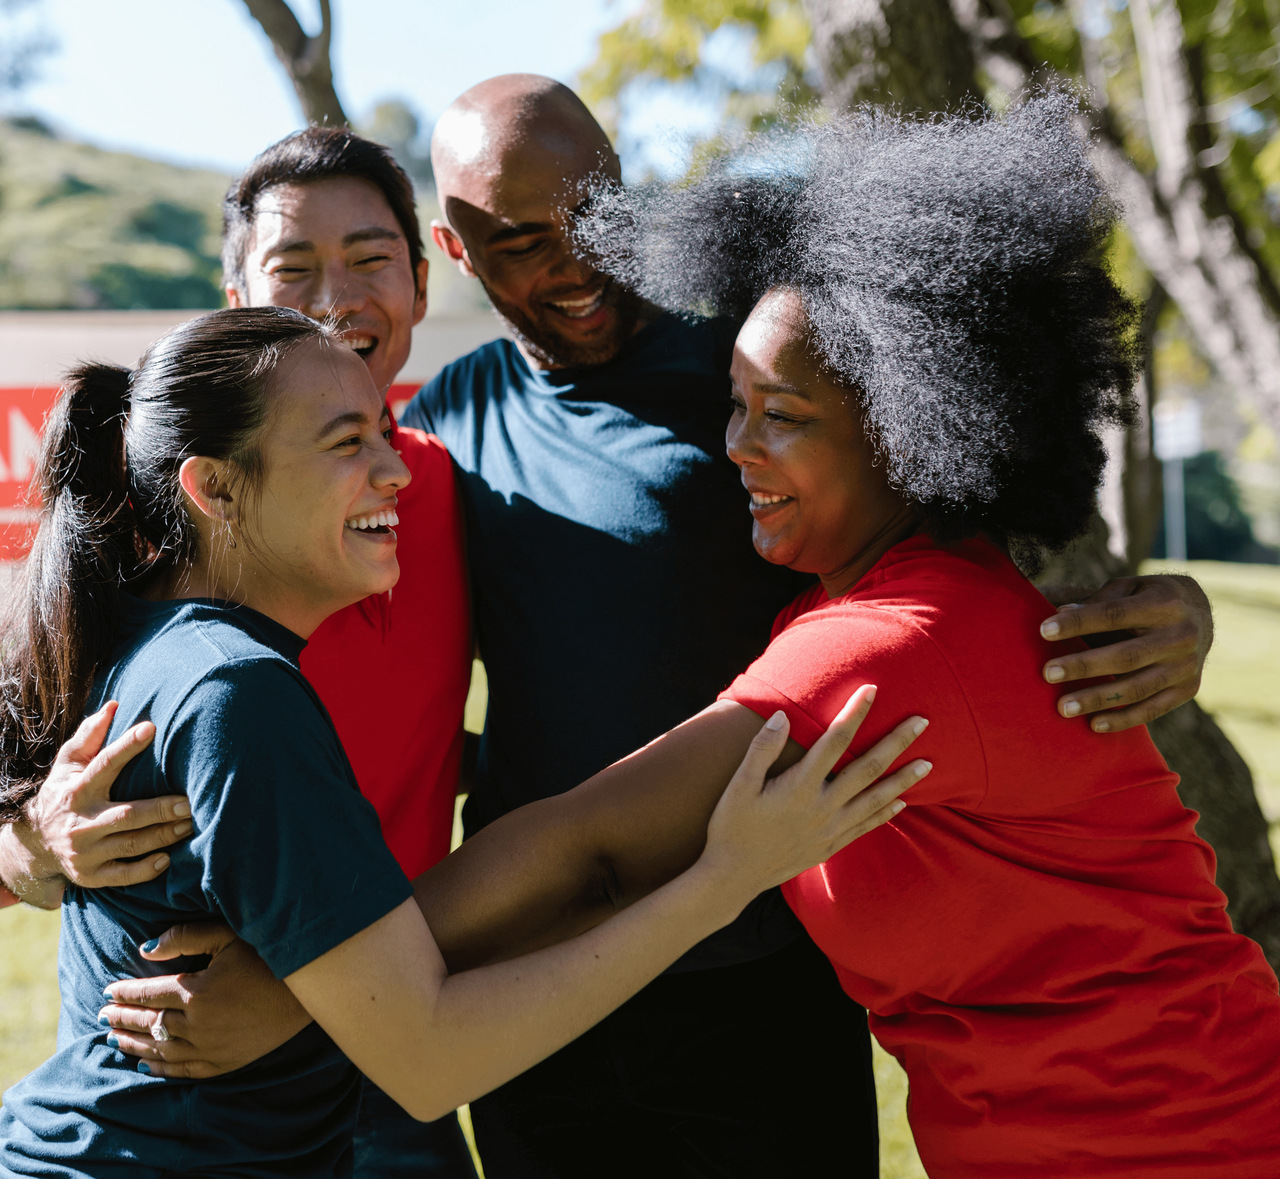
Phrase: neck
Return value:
(547, 364)
(231, 582)
(896, 528)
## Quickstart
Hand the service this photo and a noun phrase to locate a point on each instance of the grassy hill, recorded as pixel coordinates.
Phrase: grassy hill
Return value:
(85, 228)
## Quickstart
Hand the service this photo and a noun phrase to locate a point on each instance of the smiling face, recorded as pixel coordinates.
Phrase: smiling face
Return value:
(335, 246)
(819, 501)
(318, 533)
(506, 178)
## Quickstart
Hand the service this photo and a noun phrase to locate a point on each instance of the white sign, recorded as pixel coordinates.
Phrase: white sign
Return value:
(1177, 430)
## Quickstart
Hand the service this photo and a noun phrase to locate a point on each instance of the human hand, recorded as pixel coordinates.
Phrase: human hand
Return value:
(770, 831)
(76, 831)
(1156, 669)
(211, 1021)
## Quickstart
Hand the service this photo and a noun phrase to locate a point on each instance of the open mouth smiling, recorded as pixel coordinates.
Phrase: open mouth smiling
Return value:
(580, 307)
(363, 345)
(378, 523)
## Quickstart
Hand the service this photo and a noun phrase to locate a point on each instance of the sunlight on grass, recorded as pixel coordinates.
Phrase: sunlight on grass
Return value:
(29, 986)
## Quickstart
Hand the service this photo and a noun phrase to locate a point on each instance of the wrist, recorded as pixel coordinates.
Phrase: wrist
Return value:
(723, 892)
(27, 871)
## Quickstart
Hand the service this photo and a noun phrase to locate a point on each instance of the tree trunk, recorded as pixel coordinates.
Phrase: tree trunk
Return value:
(305, 59)
(880, 51)
(909, 53)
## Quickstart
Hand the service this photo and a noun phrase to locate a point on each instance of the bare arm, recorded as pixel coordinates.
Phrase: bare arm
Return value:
(544, 873)
(72, 831)
(386, 1000)
(1165, 627)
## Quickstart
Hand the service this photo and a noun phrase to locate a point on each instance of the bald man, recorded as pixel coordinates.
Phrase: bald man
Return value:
(616, 592)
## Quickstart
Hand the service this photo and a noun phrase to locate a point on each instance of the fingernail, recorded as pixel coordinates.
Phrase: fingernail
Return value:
(1069, 606)
(1071, 708)
(919, 725)
(150, 947)
(776, 721)
(183, 829)
(1101, 726)
(898, 807)
(1050, 627)
(113, 1042)
(922, 768)
(107, 991)
(871, 693)
(181, 809)
(102, 1019)
(1055, 674)
(143, 1067)
(160, 863)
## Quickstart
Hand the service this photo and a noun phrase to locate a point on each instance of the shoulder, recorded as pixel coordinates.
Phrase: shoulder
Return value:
(456, 385)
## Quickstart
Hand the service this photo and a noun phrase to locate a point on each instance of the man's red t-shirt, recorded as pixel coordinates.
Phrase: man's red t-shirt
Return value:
(394, 669)
(1037, 937)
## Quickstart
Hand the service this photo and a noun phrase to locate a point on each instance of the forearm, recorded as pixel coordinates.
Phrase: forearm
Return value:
(434, 1042)
(496, 1021)
(554, 868)
(26, 868)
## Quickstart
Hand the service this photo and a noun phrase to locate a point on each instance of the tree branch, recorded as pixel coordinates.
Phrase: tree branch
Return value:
(305, 59)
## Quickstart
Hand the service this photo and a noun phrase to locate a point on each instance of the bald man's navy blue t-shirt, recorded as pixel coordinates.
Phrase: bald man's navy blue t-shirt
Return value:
(615, 586)
(285, 850)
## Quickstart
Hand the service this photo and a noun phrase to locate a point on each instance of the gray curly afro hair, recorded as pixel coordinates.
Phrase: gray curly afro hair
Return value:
(952, 273)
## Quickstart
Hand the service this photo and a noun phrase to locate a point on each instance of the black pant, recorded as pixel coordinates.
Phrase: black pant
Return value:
(761, 1069)
(389, 1144)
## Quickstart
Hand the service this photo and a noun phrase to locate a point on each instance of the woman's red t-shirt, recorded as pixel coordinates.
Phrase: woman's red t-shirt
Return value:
(1037, 937)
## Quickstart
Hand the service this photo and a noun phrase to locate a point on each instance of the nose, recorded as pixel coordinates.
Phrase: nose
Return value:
(389, 470)
(336, 292)
(740, 441)
(569, 267)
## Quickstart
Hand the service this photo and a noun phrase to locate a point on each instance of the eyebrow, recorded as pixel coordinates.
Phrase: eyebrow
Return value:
(353, 417)
(789, 390)
(522, 230)
(374, 233)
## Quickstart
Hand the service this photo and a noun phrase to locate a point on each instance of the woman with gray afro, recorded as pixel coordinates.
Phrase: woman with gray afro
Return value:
(931, 345)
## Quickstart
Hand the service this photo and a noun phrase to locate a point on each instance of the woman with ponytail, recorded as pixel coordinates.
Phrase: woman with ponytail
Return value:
(200, 517)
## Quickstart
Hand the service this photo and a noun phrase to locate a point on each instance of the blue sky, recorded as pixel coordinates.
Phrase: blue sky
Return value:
(195, 81)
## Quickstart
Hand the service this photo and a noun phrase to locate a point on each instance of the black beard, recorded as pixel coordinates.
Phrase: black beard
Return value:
(541, 340)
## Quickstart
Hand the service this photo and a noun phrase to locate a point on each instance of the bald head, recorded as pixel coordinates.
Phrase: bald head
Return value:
(517, 129)
(512, 158)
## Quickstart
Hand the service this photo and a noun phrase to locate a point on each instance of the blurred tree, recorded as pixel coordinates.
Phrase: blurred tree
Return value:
(393, 123)
(305, 58)
(1185, 111)
(23, 45)
(1218, 528)
(749, 59)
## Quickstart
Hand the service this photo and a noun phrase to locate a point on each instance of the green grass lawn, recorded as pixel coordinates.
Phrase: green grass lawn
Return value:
(1241, 687)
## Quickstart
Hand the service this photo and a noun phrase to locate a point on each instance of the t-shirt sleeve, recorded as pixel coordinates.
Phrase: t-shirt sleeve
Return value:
(417, 413)
(815, 664)
(292, 854)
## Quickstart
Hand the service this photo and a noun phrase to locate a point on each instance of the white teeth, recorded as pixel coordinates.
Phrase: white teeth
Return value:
(358, 342)
(760, 500)
(579, 308)
(377, 520)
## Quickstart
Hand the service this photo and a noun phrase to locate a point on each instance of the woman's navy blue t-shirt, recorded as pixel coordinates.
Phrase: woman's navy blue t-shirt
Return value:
(285, 850)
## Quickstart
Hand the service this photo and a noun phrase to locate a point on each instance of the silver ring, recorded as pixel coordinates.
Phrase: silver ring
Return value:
(160, 1033)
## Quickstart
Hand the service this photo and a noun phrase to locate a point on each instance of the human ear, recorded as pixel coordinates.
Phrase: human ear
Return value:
(207, 487)
(420, 293)
(451, 244)
(234, 298)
